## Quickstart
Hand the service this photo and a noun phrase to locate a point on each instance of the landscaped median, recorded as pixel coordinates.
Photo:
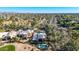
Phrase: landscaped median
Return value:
(7, 48)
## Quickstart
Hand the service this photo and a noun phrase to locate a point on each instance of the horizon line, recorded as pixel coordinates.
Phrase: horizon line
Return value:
(39, 9)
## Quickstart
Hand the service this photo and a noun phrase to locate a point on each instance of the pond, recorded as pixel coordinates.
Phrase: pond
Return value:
(42, 46)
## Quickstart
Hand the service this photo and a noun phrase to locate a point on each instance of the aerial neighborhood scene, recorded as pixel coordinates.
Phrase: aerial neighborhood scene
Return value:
(38, 31)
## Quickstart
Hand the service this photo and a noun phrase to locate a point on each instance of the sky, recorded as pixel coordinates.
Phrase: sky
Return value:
(40, 9)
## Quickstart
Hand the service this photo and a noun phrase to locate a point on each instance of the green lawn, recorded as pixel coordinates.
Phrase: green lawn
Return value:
(8, 48)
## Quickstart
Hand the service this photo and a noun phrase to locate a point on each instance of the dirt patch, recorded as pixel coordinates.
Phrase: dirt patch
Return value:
(24, 47)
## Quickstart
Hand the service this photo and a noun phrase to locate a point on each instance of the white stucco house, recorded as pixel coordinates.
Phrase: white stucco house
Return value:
(2, 34)
(38, 36)
(13, 34)
(8, 34)
(23, 34)
(28, 33)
